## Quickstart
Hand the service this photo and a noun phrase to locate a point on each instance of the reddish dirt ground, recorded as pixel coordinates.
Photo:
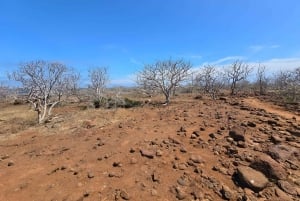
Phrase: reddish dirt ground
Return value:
(147, 153)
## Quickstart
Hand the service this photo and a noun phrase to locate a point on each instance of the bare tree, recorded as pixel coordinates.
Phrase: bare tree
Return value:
(237, 72)
(288, 84)
(99, 78)
(69, 84)
(42, 81)
(164, 76)
(211, 80)
(261, 79)
(4, 91)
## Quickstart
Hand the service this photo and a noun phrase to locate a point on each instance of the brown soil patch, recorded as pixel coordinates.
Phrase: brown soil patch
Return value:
(96, 154)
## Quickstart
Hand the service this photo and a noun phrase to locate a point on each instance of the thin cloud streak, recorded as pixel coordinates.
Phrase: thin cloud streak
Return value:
(225, 60)
(136, 62)
(259, 48)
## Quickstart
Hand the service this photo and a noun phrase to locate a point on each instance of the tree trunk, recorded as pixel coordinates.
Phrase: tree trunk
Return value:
(233, 88)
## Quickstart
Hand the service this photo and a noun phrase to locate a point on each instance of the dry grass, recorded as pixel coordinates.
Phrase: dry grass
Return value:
(15, 118)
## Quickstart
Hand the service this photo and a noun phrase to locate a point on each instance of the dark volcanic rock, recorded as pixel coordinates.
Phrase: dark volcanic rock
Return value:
(237, 133)
(227, 193)
(294, 132)
(276, 139)
(251, 124)
(283, 152)
(271, 168)
(287, 187)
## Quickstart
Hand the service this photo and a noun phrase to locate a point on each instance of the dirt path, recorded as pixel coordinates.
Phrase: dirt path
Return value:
(253, 102)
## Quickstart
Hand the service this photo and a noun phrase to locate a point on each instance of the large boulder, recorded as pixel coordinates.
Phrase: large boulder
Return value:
(271, 168)
(251, 178)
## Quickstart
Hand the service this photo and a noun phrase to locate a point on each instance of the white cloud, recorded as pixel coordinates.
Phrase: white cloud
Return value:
(278, 64)
(226, 60)
(273, 65)
(259, 48)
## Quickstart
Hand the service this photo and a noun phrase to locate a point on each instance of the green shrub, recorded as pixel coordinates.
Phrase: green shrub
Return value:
(96, 103)
(128, 103)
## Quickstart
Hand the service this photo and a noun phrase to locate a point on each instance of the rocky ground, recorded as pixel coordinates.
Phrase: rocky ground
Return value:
(229, 149)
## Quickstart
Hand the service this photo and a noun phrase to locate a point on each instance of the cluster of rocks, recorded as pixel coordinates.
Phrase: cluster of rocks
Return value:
(261, 156)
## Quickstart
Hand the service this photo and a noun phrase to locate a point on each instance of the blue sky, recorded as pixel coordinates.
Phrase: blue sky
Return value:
(124, 35)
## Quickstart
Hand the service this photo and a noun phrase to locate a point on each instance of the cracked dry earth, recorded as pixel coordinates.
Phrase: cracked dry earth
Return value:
(229, 149)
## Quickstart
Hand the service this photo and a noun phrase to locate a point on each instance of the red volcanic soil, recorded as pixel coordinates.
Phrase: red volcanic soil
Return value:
(189, 150)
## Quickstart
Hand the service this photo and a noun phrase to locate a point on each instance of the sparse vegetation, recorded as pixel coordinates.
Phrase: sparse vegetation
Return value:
(210, 80)
(44, 82)
(236, 73)
(164, 76)
(98, 79)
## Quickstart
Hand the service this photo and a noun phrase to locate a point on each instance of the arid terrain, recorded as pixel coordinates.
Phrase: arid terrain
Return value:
(193, 149)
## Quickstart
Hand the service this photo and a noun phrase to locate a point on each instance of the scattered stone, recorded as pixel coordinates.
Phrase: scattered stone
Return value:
(223, 99)
(10, 163)
(237, 133)
(133, 161)
(287, 187)
(282, 195)
(183, 181)
(183, 150)
(88, 124)
(229, 139)
(182, 129)
(193, 136)
(212, 136)
(283, 152)
(90, 175)
(251, 178)
(251, 124)
(198, 170)
(173, 140)
(242, 144)
(159, 153)
(181, 166)
(4, 157)
(147, 153)
(154, 192)
(100, 143)
(227, 193)
(294, 132)
(272, 122)
(117, 164)
(124, 195)
(155, 177)
(86, 194)
(269, 167)
(196, 133)
(180, 193)
(196, 159)
(115, 174)
(276, 139)
(197, 195)
(202, 129)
